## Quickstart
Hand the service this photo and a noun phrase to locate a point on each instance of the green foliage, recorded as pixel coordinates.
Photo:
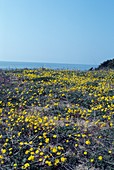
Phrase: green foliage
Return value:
(109, 64)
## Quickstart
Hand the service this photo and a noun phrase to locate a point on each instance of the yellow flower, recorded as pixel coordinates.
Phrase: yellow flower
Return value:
(88, 142)
(40, 159)
(58, 153)
(54, 136)
(48, 163)
(47, 140)
(30, 142)
(15, 165)
(37, 151)
(111, 124)
(5, 144)
(83, 135)
(0, 110)
(2, 162)
(44, 134)
(56, 161)
(31, 149)
(19, 133)
(63, 159)
(85, 152)
(31, 158)
(40, 137)
(3, 151)
(92, 160)
(10, 149)
(54, 150)
(109, 151)
(1, 157)
(26, 152)
(26, 165)
(40, 143)
(21, 143)
(46, 156)
(76, 145)
(59, 147)
(100, 158)
(32, 153)
(41, 153)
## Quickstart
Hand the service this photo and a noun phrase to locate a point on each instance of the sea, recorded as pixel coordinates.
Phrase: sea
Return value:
(34, 65)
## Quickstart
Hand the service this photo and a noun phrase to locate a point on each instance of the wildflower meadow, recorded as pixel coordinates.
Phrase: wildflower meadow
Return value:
(56, 119)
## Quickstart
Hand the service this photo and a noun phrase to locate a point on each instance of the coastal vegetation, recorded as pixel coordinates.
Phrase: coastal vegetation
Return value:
(109, 64)
(56, 119)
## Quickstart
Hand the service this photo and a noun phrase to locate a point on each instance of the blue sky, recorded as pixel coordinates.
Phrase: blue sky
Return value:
(57, 31)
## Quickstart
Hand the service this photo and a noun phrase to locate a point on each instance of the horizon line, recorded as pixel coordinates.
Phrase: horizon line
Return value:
(48, 62)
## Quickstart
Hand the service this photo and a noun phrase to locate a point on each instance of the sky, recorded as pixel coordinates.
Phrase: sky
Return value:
(57, 31)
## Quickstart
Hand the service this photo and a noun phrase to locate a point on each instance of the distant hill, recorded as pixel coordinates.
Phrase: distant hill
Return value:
(109, 64)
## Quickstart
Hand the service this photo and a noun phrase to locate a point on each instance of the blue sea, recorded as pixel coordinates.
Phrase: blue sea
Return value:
(33, 65)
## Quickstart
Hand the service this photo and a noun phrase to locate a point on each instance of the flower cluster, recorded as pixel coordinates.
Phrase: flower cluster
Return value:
(56, 119)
